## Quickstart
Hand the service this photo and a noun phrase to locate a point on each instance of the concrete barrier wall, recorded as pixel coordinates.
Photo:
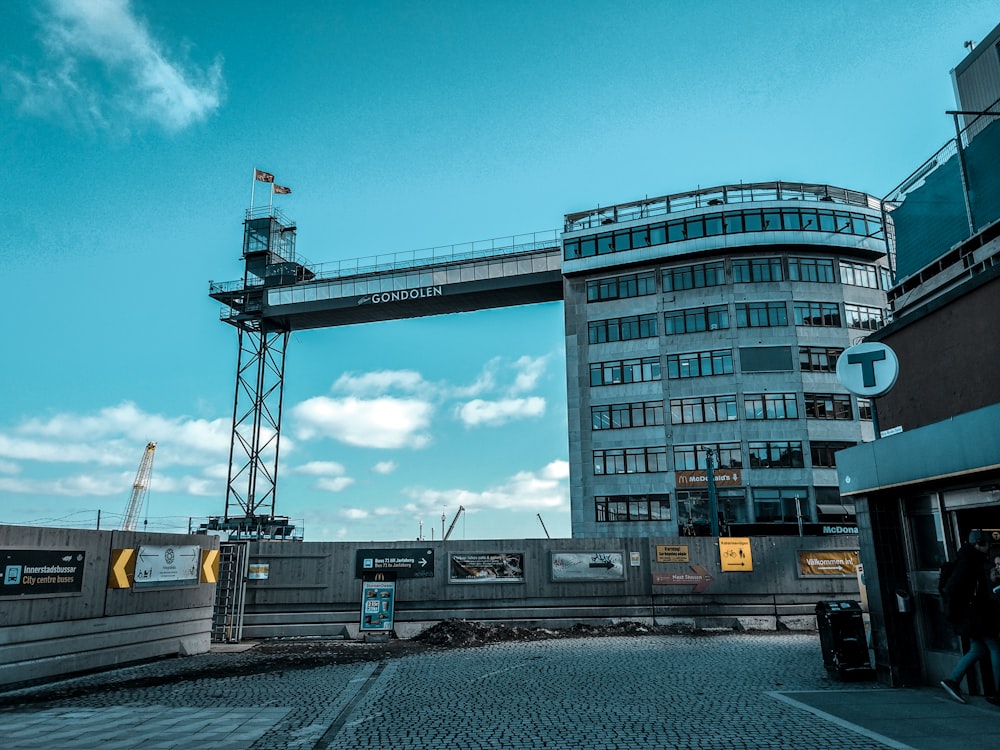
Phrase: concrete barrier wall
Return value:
(312, 588)
(53, 634)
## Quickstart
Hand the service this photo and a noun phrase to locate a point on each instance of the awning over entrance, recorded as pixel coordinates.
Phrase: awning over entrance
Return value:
(835, 510)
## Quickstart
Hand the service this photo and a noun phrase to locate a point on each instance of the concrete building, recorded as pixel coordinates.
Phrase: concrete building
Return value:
(935, 473)
(704, 328)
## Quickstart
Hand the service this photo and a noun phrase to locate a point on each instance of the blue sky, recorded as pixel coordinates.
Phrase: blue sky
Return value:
(129, 132)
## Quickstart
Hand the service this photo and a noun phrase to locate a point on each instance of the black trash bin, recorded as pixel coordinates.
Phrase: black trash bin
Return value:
(842, 638)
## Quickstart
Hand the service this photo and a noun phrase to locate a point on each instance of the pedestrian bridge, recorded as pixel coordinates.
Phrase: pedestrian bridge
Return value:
(293, 295)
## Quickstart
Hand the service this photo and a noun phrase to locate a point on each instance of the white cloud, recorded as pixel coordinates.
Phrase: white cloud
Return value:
(556, 470)
(523, 491)
(320, 468)
(384, 422)
(102, 65)
(117, 436)
(529, 372)
(382, 467)
(354, 514)
(334, 484)
(381, 382)
(493, 413)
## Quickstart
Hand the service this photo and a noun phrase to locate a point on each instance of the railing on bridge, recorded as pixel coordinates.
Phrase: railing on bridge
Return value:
(411, 259)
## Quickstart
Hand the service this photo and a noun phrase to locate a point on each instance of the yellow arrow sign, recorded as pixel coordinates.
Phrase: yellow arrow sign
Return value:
(122, 569)
(735, 554)
(209, 566)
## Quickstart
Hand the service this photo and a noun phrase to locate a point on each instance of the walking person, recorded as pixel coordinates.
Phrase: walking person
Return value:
(971, 608)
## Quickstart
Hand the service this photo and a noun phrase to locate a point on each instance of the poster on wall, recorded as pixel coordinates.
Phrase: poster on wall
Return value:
(828, 563)
(29, 572)
(486, 567)
(588, 566)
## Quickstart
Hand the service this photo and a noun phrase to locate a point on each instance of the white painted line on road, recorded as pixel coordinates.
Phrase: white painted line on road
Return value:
(887, 741)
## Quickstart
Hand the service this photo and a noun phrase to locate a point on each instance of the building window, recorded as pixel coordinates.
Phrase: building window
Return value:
(694, 457)
(703, 409)
(692, 510)
(828, 406)
(749, 270)
(816, 313)
(696, 319)
(622, 287)
(823, 453)
(625, 371)
(622, 329)
(631, 508)
(865, 409)
(858, 274)
(623, 416)
(866, 318)
(761, 314)
(713, 224)
(770, 406)
(819, 358)
(778, 504)
(775, 454)
(700, 364)
(694, 277)
(652, 460)
(819, 270)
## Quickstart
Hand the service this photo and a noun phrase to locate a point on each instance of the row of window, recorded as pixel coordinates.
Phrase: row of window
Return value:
(710, 363)
(724, 408)
(770, 505)
(722, 223)
(748, 315)
(741, 271)
(761, 454)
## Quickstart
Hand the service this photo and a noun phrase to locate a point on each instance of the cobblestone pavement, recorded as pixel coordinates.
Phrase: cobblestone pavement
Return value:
(732, 691)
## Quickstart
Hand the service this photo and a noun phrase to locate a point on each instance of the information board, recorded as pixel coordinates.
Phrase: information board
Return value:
(378, 604)
(405, 563)
(35, 571)
(734, 554)
(167, 566)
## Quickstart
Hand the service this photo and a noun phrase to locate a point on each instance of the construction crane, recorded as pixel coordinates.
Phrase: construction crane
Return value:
(139, 488)
(460, 511)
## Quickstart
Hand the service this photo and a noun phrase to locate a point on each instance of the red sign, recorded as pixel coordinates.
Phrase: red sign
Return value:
(700, 579)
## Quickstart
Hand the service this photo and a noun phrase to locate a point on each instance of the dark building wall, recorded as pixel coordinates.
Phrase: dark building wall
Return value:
(949, 359)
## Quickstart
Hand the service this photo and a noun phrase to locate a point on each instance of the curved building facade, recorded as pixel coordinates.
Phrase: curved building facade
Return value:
(703, 328)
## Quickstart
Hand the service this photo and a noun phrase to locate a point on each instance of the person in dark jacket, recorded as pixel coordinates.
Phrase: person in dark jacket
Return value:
(971, 608)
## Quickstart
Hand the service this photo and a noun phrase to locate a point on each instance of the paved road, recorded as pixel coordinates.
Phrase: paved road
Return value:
(732, 692)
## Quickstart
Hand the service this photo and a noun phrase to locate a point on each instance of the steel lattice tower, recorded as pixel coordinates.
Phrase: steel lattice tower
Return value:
(269, 257)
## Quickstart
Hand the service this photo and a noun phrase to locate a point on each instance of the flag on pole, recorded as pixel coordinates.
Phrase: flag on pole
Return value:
(261, 176)
(280, 189)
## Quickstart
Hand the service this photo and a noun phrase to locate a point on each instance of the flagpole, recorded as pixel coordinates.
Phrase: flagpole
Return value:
(253, 186)
(270, 202)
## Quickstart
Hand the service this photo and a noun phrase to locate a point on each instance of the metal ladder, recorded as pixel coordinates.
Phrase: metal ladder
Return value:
(230, 593)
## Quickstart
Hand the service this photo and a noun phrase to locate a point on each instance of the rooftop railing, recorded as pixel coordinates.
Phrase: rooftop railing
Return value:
(717, 196)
